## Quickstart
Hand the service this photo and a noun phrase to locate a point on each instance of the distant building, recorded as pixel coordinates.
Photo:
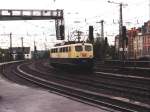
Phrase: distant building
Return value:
(119, 50)
(20, 53)
(139, 42)
(132, 43)
(138, 46)
(146, 45)
(117, 44)
(146, 27)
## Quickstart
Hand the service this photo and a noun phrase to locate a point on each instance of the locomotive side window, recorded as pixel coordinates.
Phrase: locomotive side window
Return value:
(88, 48)
(55, 50)
(69, 48)
(61, 49)
(78, 48)
(52, 50)
(64, 49)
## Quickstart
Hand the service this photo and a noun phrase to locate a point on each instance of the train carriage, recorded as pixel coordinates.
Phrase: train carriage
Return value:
(74, 56)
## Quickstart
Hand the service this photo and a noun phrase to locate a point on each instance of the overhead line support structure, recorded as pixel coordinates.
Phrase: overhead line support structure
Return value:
(121, 40)
(16, 14)
(10, 49)
(102, 28)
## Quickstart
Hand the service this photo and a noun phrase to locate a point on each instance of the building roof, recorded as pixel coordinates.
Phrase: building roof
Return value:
(26, 50)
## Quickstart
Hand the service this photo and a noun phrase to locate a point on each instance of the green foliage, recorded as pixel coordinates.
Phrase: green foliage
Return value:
(4, 55)
(102, 50)
(112, 52)
(41, 54)
(46, 54)
(97, 49)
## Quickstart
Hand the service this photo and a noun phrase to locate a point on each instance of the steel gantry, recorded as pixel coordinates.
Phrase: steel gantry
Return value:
(15, 14)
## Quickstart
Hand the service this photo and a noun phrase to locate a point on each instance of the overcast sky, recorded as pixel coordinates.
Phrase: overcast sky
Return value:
(88, 12)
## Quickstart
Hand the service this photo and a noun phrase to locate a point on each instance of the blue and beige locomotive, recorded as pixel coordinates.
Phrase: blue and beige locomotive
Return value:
(72, 55)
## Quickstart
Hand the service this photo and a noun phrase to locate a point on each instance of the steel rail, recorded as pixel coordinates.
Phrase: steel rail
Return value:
(101, 84)
(134, 93)
(92, 96)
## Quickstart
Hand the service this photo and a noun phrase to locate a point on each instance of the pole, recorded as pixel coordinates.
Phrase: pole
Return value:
(102, 29)
(121, 53)
(35, 50)
(22, 41)
(34, 46)
(10, 45)
(10, 35)
(3, 61)
(121, 43)
(22, 47)
(149, 9)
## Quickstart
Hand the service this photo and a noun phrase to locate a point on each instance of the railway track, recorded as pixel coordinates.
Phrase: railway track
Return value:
(83, 94)
(117, 84)
(123, 69)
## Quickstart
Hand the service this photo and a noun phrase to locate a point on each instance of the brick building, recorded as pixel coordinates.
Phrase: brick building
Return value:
(131, 34)
(138, 42)
(146, 45)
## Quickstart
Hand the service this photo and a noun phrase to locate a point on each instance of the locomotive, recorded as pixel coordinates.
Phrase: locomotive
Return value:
(72, 55)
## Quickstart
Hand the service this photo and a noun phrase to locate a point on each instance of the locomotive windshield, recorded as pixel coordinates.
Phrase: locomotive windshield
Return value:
(88, 48)
(78, 48)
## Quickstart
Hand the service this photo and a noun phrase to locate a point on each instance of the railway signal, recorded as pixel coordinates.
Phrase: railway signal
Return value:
(91, 37)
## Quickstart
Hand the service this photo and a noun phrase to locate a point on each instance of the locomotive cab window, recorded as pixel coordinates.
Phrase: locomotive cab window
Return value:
(64, 49)
(78, 48)
(88, 48)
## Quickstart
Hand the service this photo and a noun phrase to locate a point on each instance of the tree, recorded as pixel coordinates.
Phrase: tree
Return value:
(97, 47)
(101, 47)
(112, 52)
(106, 48)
